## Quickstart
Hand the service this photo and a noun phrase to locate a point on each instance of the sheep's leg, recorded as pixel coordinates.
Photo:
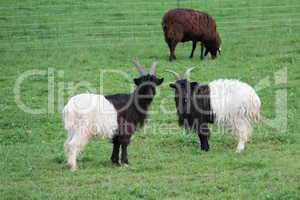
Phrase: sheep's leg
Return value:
(206, 52)
(193, 49)
(116, 151)
(172, 46)
(203, 134)
(202, 52)
(75, 146)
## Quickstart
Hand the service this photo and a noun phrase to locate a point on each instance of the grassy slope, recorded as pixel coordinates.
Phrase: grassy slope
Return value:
(259, 38)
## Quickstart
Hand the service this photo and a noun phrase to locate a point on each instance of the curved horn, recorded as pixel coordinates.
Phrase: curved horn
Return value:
(153, 68)
(139, 67)
(187, 73)
(174, 73)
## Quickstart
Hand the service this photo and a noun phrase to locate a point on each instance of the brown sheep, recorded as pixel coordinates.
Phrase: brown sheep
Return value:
(182, 25)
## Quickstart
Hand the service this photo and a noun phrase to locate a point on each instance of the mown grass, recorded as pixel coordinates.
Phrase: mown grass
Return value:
(83, 38)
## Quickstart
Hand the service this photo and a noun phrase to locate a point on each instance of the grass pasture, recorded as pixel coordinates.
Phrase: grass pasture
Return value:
(71, 42)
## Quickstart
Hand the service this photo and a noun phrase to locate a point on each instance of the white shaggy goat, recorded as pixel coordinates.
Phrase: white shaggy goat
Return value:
(236, 105)
(228, 103)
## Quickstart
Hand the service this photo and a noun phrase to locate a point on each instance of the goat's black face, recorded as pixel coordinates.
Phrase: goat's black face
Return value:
(183, 94)
(146, 84)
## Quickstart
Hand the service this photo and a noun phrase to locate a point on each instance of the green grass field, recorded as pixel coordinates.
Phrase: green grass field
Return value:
(77, 40)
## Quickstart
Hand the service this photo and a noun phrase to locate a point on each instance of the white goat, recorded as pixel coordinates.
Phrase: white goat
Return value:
(235, 104)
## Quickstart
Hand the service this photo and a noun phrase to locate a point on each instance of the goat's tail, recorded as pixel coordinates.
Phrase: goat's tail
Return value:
(68, 117)
(255, 108)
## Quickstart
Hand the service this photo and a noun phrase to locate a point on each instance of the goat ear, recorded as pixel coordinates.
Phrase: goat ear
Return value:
(159, 81)
(137, 81)
(172, 85)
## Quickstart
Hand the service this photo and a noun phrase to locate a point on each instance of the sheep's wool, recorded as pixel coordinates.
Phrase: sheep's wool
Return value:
(232, 100)
(90, 114)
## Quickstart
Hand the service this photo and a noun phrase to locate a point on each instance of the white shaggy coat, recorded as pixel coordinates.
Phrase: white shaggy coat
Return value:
(235, 105)
(85, 116)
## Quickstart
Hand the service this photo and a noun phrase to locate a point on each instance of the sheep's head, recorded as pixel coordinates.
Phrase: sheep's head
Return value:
(214, 45)
(147, 83)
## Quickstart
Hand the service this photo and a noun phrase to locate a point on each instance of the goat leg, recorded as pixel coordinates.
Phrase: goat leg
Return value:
(124, 140)
(124, 155)
(203, 134)
(115, 152)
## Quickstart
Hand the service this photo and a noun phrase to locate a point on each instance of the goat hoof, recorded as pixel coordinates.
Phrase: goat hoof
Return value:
(125, 162)
(116, 164)
(125, 165)
(72, 168)
(204, 148)
(239, 150)
(171, 58)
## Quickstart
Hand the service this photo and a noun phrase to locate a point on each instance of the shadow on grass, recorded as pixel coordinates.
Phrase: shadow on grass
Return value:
(83, 163)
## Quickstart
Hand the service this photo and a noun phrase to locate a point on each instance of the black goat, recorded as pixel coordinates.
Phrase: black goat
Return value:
(190, 98)
(113, 116)
(132, 110)
(228, 103)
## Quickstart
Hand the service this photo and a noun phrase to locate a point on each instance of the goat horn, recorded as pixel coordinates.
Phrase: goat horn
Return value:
(174, 73)
(139, 67)
(153, 68)
(187, 73)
